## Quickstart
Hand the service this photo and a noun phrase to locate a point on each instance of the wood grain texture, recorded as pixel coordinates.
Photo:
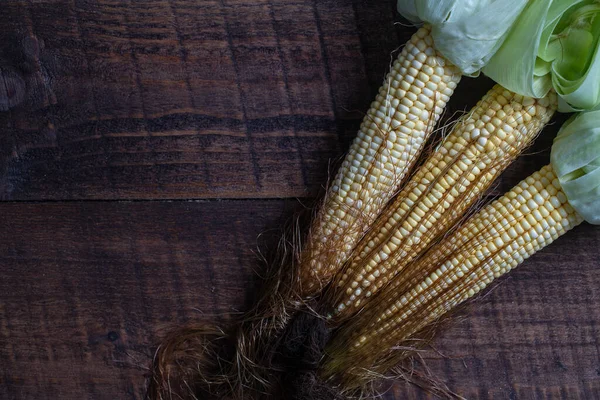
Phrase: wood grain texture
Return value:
(118, 100)
(86, 288)
(181, 99)
(177, 99)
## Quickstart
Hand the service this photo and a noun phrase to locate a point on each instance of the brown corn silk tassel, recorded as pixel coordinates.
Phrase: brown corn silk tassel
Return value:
(392, 135)
(478, 149)
(491, 243)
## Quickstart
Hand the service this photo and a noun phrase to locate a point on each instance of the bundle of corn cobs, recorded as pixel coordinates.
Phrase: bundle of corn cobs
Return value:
(401, 238)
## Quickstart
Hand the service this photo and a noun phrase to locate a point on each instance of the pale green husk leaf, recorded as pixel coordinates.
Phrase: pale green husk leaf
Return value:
(466, 32)
(553, 44)
(575, 158)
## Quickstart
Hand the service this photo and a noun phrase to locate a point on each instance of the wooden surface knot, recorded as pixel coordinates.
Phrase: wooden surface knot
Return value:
(25, 80)
(12, 88)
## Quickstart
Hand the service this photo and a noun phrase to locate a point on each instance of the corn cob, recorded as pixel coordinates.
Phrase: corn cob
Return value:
(479, 148)
(393, 132)
(491, 243)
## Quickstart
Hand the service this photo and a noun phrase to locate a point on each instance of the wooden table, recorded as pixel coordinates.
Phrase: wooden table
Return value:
(145, 146)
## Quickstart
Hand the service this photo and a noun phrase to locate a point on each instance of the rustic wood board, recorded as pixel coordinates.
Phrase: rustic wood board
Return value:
(182, 99)
(105, 102)
(86, 288)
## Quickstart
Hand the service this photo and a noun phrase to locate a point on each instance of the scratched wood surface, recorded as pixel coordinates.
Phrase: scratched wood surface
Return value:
(145, 146)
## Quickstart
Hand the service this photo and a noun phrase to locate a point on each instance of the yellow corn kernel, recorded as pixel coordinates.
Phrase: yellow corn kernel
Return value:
(442, 190)
(393, 132)
(447, 275)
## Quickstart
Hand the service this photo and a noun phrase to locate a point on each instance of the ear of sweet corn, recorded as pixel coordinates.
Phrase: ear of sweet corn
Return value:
(393, 132)
(479, 147)
(491, 243)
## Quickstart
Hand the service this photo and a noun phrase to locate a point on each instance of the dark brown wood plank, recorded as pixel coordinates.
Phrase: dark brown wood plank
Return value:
(182, 99)
(87, 288)
(175, 99)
